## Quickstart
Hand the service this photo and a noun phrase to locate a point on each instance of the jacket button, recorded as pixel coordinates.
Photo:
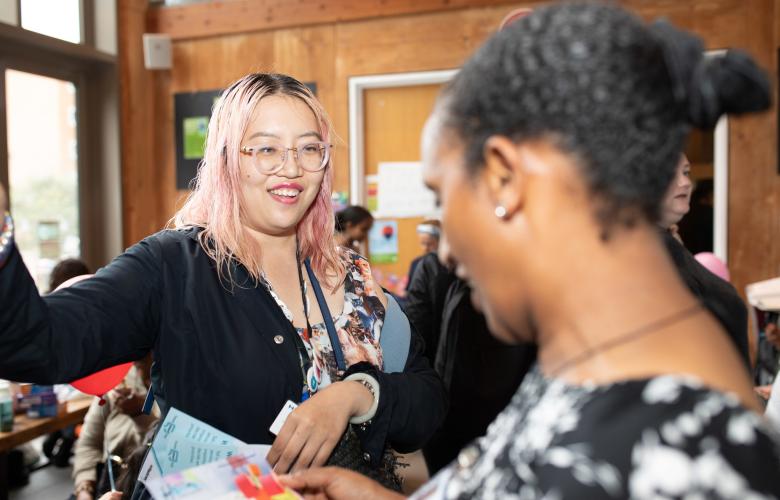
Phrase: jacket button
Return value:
(367, 457)
(278, 339)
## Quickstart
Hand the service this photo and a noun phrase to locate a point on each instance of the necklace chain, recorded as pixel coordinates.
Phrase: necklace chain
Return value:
(624, 339)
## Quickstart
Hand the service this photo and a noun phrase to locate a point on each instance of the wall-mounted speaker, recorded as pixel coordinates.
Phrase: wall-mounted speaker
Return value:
(157, 51)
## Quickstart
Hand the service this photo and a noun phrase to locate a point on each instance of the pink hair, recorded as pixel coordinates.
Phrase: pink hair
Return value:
(215, 202)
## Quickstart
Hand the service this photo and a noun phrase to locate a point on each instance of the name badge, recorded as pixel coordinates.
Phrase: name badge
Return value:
(281, 418)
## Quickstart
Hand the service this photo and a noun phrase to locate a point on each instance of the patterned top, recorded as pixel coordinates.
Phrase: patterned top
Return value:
(662, 438)
(358, 326)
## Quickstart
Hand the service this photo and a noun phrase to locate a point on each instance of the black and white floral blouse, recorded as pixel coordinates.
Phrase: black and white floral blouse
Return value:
(666, 437)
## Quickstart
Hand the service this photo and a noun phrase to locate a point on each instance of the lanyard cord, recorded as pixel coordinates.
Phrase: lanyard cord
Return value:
(303, 354)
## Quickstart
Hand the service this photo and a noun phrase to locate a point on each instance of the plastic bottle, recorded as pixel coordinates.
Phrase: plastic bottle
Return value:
(6, 407)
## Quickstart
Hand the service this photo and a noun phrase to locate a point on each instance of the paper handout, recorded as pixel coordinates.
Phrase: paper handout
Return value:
(241, 476)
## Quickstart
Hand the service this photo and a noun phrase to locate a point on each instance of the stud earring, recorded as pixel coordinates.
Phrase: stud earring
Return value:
(500, 212)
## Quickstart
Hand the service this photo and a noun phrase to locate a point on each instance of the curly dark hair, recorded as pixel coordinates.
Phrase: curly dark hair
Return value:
(599, 83)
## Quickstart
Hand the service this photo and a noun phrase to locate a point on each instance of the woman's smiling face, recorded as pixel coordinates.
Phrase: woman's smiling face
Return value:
(274, 204)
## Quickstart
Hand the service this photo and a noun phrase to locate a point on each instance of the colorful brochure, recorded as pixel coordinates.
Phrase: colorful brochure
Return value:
(241, 476)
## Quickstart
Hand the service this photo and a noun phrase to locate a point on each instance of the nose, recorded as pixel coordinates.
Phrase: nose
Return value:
(290, 167)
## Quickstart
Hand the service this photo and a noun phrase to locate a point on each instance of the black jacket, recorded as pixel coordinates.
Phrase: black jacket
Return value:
(215, 356)
(717, 295)
(480, 373)
(424, 304)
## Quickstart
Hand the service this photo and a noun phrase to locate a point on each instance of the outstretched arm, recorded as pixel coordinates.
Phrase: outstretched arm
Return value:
(106, 320)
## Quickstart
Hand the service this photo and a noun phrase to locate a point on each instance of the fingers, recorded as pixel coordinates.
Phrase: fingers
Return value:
(324, 453)
(310, 451)
(280, 443)
(291, 450)
(311, 480)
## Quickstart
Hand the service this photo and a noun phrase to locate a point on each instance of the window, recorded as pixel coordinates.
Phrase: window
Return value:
(56, 18)
(43, 170)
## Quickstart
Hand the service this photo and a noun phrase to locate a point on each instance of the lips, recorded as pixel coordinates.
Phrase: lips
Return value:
(287, 192)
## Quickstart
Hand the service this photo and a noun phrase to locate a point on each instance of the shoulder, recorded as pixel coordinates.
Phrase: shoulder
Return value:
(672, 428)
(356, 265)
(175, 236)
(167, 240)
(358, 270)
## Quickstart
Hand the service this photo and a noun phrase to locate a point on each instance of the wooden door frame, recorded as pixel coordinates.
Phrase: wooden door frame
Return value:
(357, 86)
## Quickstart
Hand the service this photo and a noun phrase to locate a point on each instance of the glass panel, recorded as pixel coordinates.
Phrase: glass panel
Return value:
(42, 170)
(57, 18)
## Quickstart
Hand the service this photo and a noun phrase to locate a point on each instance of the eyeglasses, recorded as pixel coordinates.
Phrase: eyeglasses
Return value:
(269, 158)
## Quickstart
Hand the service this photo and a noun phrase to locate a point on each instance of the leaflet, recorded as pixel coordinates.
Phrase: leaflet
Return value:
(244, 475)
(184, 442)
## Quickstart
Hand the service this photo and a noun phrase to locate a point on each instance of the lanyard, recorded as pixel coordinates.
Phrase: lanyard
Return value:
(307, 371)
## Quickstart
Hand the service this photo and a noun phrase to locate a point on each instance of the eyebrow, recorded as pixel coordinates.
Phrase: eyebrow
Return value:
(310, 133)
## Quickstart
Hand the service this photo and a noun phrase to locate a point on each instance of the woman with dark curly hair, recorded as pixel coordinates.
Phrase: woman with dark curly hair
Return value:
(551, 152)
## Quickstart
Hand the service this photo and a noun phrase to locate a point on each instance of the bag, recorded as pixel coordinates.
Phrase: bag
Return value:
(349, 455)
(348, 452)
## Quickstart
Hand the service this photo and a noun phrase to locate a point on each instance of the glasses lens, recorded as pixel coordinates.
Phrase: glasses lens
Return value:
(268, 156)
(312, 156)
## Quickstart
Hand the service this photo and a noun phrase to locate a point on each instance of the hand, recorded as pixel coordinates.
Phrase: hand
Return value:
(112, 495)
(84, 495)
(764, 391)
(312, 430)
(129, 403)
(772, 333)
(336, 484)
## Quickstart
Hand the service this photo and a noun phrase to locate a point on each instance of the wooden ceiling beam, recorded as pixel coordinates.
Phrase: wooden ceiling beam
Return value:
(226, 17)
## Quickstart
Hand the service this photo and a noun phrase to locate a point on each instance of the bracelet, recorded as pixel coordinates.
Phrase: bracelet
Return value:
(6, 238)
(372, 385)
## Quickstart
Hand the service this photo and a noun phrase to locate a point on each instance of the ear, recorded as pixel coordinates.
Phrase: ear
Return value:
(504, 174)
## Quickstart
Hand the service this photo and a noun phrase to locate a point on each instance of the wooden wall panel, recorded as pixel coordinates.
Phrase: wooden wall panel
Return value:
(416, 36)
(142, 187)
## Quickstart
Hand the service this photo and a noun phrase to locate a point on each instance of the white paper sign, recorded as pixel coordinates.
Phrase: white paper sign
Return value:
(401, 192)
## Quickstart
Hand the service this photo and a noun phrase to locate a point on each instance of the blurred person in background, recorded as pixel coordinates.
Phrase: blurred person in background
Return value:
(114, 428)
(428, 235)
(716, 294)
(352, 226)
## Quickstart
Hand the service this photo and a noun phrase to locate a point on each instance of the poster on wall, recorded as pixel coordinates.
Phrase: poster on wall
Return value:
(401, 191)
(192, 111)
(383, 242)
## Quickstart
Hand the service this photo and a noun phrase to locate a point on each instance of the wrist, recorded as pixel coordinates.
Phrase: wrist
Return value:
(359, 396)
(364, 407)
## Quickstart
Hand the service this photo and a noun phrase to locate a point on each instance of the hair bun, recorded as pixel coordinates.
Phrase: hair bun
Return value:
(726, 84)
(709, 87)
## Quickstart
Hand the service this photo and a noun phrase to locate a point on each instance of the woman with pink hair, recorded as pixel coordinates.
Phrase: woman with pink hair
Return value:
(234, 300)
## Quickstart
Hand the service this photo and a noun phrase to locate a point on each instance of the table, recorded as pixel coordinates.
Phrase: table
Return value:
(26, 429)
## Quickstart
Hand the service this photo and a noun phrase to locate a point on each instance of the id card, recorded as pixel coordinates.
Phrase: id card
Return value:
(281, 418)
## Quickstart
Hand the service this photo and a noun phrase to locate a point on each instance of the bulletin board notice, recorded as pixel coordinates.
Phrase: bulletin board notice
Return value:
(401, 191)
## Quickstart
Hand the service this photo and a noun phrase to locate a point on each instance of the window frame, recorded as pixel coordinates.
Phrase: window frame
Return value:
(94, 75)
